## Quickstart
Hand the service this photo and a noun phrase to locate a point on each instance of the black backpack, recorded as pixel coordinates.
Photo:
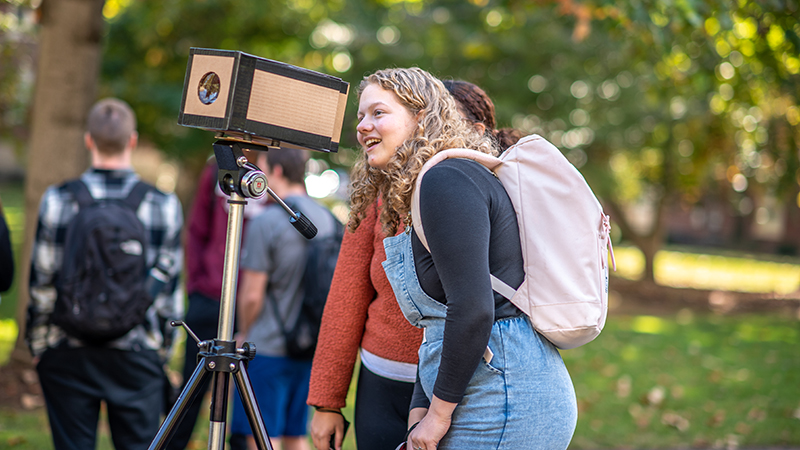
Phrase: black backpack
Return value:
(322, 253)
(101, 288)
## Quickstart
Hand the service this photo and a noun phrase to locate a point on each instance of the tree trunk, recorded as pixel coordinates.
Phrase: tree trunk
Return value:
(69, 57)
(650, 243)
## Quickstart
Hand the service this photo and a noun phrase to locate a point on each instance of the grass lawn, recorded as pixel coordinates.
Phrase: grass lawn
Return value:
(676, 381)
(689, 381)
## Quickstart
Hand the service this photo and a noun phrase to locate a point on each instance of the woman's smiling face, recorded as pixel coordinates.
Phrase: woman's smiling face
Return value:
(383, 124)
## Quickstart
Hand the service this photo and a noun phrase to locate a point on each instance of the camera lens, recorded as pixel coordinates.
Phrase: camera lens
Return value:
(208, 90)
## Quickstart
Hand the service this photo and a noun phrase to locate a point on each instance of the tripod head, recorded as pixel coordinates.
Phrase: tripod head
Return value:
(237, 175)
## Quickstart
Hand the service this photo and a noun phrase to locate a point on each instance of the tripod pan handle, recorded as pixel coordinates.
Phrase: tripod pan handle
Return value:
(302, 224)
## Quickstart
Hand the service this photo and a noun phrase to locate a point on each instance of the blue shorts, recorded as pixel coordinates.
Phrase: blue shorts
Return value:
(281, 389)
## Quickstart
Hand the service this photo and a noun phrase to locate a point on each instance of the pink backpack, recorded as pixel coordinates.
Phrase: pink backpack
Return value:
(564, 236)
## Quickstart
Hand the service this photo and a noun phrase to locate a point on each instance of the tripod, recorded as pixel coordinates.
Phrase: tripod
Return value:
(220, 358)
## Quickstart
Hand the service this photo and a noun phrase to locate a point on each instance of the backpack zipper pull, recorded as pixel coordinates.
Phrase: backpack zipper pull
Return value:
(605, 232)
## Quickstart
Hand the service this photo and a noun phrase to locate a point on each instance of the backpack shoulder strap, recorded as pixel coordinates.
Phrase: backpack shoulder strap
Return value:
(492, 163)
(278, 318)
(136, 195)
(488, 161)
(81, 192)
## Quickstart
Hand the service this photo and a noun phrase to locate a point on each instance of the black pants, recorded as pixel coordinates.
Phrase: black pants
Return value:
(381, 412)
(76, 381)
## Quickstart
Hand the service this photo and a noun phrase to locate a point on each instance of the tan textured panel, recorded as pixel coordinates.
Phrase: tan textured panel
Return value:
(337, 131)
(201, 65)
(293, 104)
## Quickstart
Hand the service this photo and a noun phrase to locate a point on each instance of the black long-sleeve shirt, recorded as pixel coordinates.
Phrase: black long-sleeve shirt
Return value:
(472, 231)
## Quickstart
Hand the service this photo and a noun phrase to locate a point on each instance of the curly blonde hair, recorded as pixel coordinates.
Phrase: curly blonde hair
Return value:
(440, 127)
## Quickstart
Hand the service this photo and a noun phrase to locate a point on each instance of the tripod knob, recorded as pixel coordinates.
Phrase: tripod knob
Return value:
(254, 184)
(249, 350)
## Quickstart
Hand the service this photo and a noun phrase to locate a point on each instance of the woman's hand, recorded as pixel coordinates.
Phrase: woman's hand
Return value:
(325, 424)
(432, 428)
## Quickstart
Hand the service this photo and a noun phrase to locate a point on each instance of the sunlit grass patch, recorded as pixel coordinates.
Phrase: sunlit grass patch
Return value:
(649, 324)
(8, 336)
(706, 271)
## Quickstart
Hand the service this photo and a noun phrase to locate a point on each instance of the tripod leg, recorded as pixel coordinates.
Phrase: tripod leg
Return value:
(250, 404)
(219, 410)
(178, 411)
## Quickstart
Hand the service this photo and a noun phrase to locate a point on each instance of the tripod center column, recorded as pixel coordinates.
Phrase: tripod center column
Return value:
(227, 307)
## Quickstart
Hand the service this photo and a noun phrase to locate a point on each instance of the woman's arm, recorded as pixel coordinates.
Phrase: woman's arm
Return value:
(454, 206)
(251, 300)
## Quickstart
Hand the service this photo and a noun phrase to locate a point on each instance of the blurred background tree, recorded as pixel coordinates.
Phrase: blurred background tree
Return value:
(67, 72)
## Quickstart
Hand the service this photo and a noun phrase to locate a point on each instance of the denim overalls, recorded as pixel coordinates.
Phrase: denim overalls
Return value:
(520, 397)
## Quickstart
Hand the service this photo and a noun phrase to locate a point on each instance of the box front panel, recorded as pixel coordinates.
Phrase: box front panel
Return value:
(216, 103)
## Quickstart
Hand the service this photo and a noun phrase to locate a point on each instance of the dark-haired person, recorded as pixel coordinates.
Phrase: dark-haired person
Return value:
(476, 106)
(126, 373)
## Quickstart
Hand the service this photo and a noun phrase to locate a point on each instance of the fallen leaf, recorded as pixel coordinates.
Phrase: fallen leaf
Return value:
(717, 418)
(30, 401)
(656, 396)
(758, 414)
(624, 386)
(14, 441)
(675, 420)
(743, 428)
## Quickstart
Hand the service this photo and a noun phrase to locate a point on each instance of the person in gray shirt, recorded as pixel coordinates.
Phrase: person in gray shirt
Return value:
(273, 259)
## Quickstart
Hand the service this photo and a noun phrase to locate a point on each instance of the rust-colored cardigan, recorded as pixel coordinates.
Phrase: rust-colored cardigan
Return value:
(361, 311)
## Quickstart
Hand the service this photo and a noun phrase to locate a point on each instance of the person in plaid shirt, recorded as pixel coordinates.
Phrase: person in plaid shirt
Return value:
(126, 373)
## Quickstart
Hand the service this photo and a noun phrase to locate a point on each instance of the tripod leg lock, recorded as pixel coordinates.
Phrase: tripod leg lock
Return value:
(223, 363)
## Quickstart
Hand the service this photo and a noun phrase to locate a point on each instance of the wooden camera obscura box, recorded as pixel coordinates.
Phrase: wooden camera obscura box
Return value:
(247, 98)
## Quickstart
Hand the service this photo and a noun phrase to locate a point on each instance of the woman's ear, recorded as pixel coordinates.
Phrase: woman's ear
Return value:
(480, 127)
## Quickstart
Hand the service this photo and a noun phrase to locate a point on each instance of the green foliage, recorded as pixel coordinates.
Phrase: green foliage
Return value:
(17, 38)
